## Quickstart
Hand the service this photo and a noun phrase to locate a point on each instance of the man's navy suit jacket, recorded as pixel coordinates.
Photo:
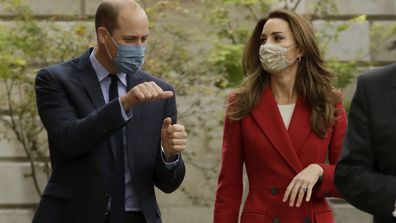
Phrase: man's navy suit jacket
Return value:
(366, 172)
(79, 126)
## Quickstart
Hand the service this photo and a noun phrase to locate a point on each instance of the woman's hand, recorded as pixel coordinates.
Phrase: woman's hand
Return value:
(302, 184)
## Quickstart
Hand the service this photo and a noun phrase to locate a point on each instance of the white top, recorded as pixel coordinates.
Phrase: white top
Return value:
(286, 112)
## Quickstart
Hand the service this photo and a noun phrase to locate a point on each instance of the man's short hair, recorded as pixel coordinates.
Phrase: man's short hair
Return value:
(107, 15)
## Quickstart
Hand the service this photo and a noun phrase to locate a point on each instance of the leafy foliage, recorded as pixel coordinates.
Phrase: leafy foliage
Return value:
(26, 44)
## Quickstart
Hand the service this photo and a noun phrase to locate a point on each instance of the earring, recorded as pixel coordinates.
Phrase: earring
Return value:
(299, 59)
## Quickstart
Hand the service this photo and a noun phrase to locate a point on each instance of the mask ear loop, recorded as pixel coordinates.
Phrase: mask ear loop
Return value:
(291, 61)
(108, 52)
(297, 58)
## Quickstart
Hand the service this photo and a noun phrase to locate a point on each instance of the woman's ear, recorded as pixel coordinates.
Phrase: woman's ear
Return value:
(300, 52)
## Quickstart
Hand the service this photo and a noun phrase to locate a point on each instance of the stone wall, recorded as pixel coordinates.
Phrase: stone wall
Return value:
(18, 197)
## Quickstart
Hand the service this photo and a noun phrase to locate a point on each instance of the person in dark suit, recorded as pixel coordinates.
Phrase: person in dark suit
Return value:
(282, 123)
(366, 172)
(111, 128)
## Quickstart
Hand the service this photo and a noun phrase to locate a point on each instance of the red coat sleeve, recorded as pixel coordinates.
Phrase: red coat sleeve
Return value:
(229, 190)
(327, 187)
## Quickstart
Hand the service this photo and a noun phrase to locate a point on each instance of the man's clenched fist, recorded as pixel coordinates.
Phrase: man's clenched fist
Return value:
(144, 92)
(174, 139)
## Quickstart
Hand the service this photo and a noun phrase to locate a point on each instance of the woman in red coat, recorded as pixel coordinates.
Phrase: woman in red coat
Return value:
(282, 122)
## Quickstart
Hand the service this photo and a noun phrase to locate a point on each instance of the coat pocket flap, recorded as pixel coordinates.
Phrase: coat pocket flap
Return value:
(253, 216)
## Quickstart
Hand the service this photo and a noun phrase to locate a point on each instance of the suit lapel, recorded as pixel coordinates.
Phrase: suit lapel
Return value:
(270, 121)
(300, 127)
(87, 76)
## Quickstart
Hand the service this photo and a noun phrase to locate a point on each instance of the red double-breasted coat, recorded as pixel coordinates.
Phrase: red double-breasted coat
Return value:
(273, 155)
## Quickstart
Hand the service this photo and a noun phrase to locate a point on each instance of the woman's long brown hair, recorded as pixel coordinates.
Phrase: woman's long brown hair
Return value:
(314, 81)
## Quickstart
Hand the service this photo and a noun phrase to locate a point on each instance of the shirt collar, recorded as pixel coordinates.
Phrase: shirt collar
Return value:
(101, 72)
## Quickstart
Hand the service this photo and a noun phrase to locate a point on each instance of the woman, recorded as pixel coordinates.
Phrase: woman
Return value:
(281, 123)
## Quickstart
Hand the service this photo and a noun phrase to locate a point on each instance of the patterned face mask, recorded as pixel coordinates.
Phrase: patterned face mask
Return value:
(273, 57)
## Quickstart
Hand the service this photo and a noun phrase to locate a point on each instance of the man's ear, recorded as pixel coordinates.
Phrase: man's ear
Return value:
(102, 35)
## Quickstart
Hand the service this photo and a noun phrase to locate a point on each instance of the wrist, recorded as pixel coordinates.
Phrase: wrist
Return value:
(126, 104)
(169, 157)
(319, 169)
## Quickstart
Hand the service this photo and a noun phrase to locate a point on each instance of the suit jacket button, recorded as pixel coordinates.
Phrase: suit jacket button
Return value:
(307, 220)
(276, 220)
(274, 190)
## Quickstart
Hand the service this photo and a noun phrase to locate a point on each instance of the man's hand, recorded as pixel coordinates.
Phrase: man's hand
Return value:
(144, 92)
(394, 211)
(173, 138)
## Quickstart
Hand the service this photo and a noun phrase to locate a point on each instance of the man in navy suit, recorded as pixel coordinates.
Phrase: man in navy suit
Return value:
(111, 128)
(366, 172)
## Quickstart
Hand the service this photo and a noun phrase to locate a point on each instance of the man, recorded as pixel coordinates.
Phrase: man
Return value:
(109, 128)
(366, 173)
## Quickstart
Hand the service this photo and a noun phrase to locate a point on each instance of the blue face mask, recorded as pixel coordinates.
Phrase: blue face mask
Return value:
(128, 58)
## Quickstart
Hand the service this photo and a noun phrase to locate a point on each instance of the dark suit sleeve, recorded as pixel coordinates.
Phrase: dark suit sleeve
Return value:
(73, 136)
(169, 179)
(356, 174)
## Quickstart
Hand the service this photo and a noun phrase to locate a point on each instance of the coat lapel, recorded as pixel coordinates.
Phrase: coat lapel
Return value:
(300, 128)
(270, 121)
(87, 76)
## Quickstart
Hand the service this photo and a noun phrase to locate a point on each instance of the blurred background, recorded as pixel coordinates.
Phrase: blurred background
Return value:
(196, 45)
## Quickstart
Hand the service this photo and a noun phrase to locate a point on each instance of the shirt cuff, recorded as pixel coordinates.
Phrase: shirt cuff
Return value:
(126, 115)
(169, 165)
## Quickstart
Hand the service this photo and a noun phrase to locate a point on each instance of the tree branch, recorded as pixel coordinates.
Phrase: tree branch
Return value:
(252, 13)
(296, 5)
(20, 136)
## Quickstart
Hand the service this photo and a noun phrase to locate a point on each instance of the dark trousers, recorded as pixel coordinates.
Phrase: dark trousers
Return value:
(132, 217)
